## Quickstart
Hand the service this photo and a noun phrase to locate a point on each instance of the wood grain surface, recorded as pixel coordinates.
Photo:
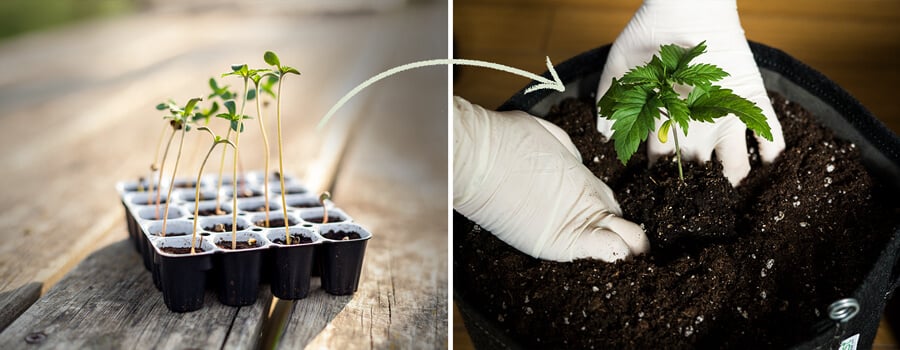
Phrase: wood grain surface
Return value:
(78, 116)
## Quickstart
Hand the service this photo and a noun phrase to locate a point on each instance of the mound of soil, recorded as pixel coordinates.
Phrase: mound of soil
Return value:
(749, 267)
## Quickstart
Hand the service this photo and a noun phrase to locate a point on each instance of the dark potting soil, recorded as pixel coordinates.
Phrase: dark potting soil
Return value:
(260, 208)
(747, 267)
(274, 223)
(189, 184)
(295, 240)
(150, 201)
(226, 244)
(290, 190)
(331, 219)
(305, 204)
(342, 235)
(223, 227)
(247, 193)
(180, 251)
(172, 234)
(213, 212)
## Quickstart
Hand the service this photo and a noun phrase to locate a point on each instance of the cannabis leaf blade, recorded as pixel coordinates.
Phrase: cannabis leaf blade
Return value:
(718, 102)
(634, 118)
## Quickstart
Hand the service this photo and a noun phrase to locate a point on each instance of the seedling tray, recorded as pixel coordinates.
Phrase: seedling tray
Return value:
(238, 274)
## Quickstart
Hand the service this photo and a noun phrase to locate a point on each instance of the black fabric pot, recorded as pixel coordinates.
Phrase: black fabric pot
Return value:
(798, 82)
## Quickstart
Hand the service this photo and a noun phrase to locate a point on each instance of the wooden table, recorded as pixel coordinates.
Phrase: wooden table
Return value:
(78, 116)
(854, 42)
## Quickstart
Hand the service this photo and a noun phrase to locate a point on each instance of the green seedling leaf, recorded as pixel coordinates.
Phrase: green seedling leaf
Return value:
(230, 106)
(272, 59)
(289, 70)
(251, 94)
(663, 134)
(646, 93)
(190, 106)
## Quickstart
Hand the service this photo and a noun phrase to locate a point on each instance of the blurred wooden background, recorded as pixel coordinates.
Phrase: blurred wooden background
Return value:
(854, 42)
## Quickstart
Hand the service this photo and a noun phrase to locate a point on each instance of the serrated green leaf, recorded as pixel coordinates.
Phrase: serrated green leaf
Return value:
(272, 59)
(699, 74)
(676, 108)
(691, 54)
(719, 102)
(607, 101)
(670, 55)
(641, 75)
(633, 119)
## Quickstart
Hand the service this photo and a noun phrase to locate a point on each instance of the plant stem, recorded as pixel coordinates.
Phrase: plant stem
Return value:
(172, 181)
(262, 128)
(287, 232)
(161, 165)
(153, 166)
(197, 196)
(678, 153)
(234, 179)
(222, 170)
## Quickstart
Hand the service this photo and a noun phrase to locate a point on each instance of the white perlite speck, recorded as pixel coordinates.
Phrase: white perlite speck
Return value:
(770, 263)
(528, 310)
(595, 289)
(829, 168)
(803, 224)
(596, 159)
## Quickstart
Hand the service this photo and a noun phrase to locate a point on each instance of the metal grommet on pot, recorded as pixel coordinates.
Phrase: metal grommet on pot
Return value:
(843, 310)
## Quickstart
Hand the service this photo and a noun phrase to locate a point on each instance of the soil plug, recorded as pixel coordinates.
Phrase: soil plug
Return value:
(645, 93)
(216, 141)
(272, 59)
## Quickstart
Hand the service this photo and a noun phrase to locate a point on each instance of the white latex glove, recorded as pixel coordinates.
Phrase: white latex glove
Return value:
(687, 23)
(521, 178)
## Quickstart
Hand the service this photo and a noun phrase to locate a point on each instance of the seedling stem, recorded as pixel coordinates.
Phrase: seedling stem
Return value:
(322, 198)
(216, 142)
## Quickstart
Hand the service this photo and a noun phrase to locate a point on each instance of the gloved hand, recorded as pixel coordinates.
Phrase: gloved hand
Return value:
(687, 23)
(522, 178)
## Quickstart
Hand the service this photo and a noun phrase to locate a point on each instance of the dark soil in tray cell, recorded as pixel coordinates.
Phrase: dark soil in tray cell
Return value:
(748, 267)
(261, 209)
(180, 251)
(275, 223)
(213, 212)
(331, 219)
(305, 204)
(226, 244)
(225, 227)
(173, 234)
(341, 235)
(188, 184)
(295, 239)
(246, 193)
(151, 201)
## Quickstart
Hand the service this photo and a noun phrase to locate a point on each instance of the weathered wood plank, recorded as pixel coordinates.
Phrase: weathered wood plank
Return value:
(393, 180)
(16, 301)
(78, 115)
(109, 301)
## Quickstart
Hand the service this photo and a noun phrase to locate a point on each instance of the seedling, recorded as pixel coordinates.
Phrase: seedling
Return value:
(180, 120)
(322, 198)
(216, 141)
(237, 125)
(264, 86)
(645, 93)
(173, 108)
(281, 71)
(226, 95)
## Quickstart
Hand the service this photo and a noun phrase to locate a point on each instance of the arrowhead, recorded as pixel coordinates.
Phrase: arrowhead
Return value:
(555, 84)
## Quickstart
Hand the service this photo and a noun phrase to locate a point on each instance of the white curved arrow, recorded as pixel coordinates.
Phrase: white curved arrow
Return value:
(555, 84)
